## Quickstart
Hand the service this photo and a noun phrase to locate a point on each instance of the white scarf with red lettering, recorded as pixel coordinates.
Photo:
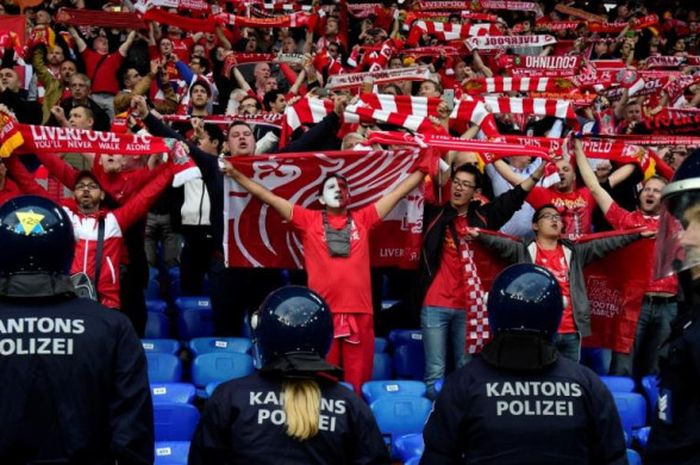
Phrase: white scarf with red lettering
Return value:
(448, 31)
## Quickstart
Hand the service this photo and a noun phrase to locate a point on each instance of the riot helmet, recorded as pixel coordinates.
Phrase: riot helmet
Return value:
(292, 320)
(525, 298)
(36, 237)
(678, 238)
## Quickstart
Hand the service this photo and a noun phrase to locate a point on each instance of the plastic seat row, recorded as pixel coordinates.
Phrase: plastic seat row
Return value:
(206, 368)
(199, 345)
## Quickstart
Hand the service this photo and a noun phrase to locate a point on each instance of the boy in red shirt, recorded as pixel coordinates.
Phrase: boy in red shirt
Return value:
(337, 261)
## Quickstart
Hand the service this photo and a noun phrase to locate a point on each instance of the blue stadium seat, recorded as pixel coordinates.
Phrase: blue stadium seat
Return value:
(156, 305)
(163, 368)
(166, 346)
(373, 390)
(632, 408)
(410, 446)
(174, 422)
(382, 367)
(194, 317)
(347, 385)
(380, 345)
(650, 386)
(220, 366)
(171, 452)
(618, 383)
(177, 393)
(209, 389)
(438, 385)
(409, 361)
(399, 337)
(205, 345)
(153, 289)
(633, 457)
(642, 436)
(399, 415)
(157, 323)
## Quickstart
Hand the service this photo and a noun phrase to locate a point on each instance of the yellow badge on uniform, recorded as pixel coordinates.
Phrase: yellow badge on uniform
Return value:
(30, 223)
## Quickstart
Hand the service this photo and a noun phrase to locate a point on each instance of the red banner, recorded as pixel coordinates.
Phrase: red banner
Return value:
(256, 236)
(616, 284)
(25, 138)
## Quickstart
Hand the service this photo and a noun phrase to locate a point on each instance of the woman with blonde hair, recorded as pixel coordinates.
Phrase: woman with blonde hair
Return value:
(292, 411)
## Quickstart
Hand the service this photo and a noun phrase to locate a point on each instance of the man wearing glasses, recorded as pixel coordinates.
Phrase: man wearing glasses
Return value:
(80, 87)
(565, 259)
(449, 285)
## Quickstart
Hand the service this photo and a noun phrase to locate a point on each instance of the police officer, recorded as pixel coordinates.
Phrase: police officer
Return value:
(519, 402)
(675, 431)
(74, 386)
(292, 411)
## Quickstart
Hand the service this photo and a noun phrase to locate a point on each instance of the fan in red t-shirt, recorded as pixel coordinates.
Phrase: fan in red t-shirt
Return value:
(337, 261)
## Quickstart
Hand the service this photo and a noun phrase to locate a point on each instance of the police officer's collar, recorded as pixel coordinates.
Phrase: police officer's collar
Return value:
(36, 285)
(301, 365)
(519, 352)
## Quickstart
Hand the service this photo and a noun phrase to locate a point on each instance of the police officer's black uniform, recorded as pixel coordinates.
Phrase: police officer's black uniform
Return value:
(520, 402)
(244, 421)
(675, 426)
(74, 384)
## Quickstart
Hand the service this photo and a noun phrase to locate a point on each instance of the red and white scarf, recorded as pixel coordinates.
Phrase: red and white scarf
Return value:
(344, 81)
(491, 42)
(448, 31)
(299, 19)
(671, 61)
(517, 84)
(478, 332)
(532, 106)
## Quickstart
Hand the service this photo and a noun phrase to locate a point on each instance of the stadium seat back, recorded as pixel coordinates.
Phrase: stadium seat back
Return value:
(373, 390)
(176, 393)
(166, 346)
(399, 337)
(409, 446)
(220, 366)
(194, 317)
(409, 361)
(205, 345)
(380, 345)
(632, 408)
(618, 383)
(163, 368)
(633, 457)
(399, 415)
(171, 452)
(382, 368)
(174, 422)
(650, 385)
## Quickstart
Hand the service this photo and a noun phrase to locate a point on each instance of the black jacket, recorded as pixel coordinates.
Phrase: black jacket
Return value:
(675, 430)
(243, 423)
(438, 220)
(74, 384)
(559, 414)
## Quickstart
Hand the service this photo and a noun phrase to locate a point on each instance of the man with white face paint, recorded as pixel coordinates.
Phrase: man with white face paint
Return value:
(337, 260)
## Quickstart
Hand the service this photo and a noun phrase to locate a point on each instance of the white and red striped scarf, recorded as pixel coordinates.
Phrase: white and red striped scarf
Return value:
(448, 31)
(474, 112)
(407, 111)
(518, 84)
(306, 111)
(532, 106)
(478, 332)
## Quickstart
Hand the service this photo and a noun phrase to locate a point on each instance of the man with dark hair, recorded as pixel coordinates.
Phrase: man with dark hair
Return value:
(565, 260)
(274, 102)
(449, 296)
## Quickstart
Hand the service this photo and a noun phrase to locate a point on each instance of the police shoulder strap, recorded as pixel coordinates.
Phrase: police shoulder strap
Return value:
(98, 254)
